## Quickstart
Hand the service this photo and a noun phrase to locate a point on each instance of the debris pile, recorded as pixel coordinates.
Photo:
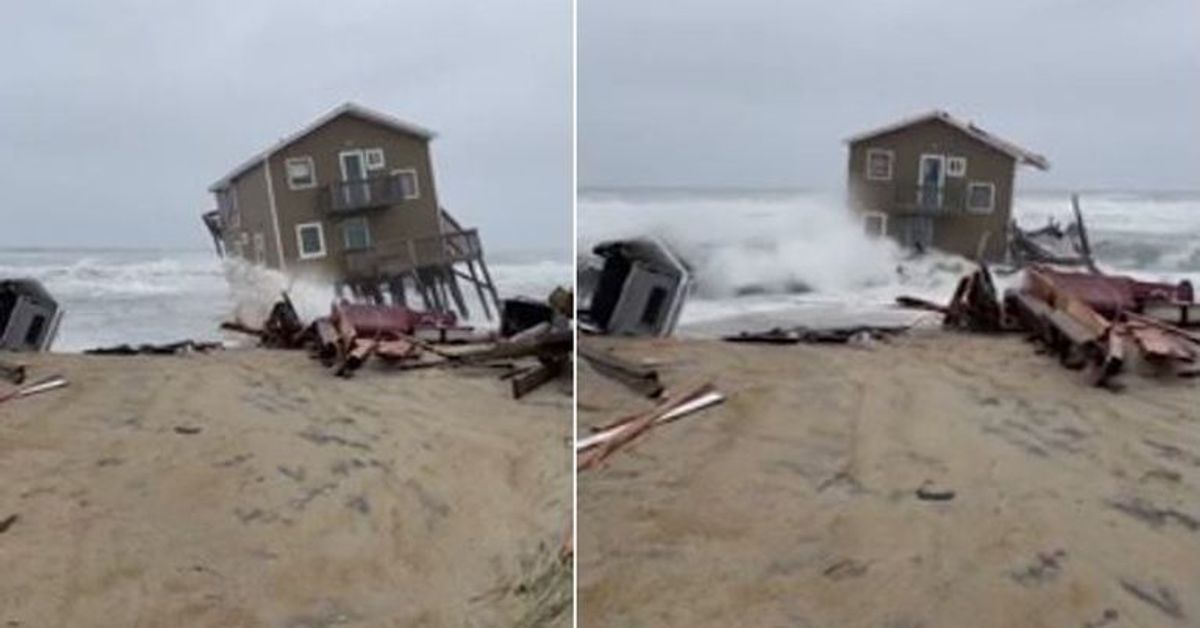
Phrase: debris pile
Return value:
(402, 338)
(1087, 319)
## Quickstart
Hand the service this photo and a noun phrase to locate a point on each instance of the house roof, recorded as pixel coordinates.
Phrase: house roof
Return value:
(1016, 152)
(348, 108)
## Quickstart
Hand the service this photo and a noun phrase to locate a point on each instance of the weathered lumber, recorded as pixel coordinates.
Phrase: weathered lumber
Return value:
(534, 378)
(635, 428)
(641, 379)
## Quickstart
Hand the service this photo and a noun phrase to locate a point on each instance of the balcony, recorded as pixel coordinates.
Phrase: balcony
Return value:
(370, 193)
(394, 257)
(930, 200)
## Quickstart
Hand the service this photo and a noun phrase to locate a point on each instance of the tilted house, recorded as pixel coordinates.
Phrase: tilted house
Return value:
(936, 181)
(350, 199)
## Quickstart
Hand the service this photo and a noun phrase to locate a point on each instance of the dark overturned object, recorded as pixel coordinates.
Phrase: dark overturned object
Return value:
(170, 348)
(831, 335)
(29, 316)
(639, 289)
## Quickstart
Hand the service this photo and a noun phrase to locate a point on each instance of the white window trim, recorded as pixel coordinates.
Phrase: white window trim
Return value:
(956, 159)
(891, 157)
(300, 240)
(883, 223)
(991, 197)
(312, 170)
(369, 159)
(366, 229)
(416, 182)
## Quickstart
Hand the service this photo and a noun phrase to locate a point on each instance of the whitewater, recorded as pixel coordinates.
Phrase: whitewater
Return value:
(765, 258)
(118, 296)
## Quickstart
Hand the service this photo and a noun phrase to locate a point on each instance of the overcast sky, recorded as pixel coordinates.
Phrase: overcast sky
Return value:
(115, 116)
(762, 93)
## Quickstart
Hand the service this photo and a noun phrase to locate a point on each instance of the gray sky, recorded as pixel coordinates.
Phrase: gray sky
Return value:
(116, 116)
(761, 93)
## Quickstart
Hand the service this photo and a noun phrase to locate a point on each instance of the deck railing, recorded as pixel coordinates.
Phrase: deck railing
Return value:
(399, 256)
(372, 192)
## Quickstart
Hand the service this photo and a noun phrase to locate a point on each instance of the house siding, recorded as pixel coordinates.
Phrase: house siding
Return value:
(958, 232)
(254, 206)
(410, 219)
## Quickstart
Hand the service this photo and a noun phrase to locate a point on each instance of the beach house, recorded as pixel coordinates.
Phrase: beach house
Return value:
(935, 181)
(350, 199)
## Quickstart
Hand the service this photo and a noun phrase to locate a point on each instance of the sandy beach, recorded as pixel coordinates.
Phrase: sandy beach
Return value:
(795, 503)
(253, 488)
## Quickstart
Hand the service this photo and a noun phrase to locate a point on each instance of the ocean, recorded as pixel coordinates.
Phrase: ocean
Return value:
(770, 257)
(117, 296)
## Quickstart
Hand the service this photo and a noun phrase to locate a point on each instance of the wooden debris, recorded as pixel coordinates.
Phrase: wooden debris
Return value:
(641, 379)
(599, 447)
(170, 348)
(40, 386)
(14, 373)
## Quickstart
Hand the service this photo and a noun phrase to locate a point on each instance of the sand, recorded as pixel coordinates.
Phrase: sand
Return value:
(795, 503)
(252, 488)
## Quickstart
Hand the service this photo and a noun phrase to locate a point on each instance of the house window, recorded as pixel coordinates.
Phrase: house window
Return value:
(301, 173)
(875, 224)
(374, 158)
(407, 181)
(981, 197)
(356, 234)
(879, 164)
(310, 240)
(956, 166)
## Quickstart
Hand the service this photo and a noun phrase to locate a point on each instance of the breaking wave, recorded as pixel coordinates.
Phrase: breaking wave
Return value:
(153, 296)
(755, 251)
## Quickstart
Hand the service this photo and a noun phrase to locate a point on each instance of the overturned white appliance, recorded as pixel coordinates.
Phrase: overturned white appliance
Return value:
(29, 316)
(639, 289)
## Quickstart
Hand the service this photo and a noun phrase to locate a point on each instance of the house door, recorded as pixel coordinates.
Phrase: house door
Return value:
(356, 192)
(931, 181)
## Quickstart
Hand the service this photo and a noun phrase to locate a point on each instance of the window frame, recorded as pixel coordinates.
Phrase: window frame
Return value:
(991, 206)
(366, 225)
(369, 155)
(312, 172)
(883, 223)
(951, 161)
(891, 164)
(415, 179)
(300, 253)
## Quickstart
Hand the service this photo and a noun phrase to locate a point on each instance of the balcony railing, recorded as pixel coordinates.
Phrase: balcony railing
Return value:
(399, 256)
(927, 199)
(373, 192)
